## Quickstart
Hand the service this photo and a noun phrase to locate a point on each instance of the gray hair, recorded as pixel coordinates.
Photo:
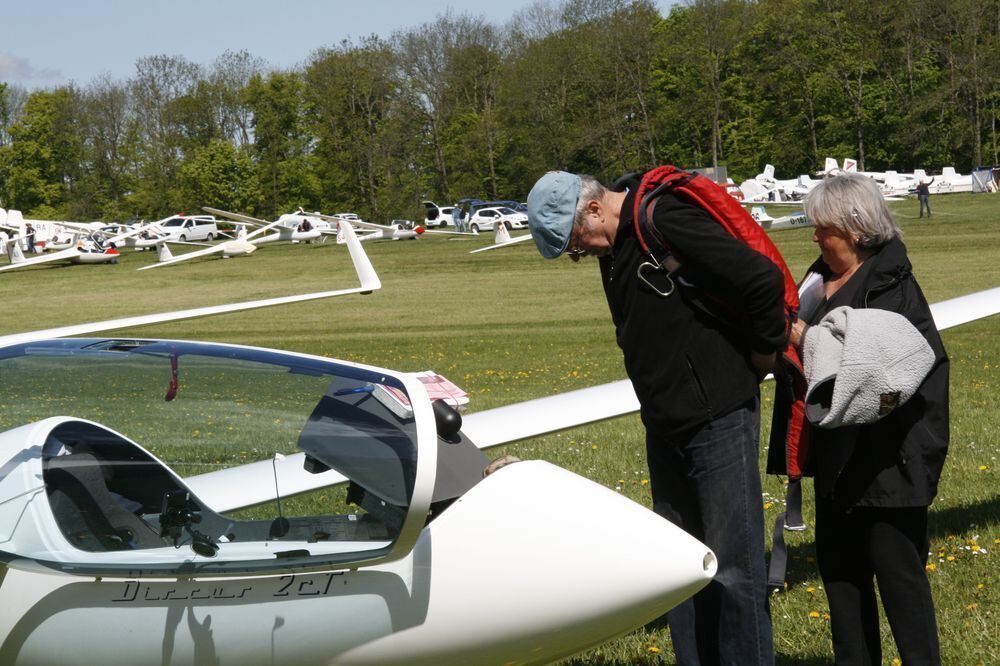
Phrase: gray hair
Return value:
(854, 204)
(590, 190)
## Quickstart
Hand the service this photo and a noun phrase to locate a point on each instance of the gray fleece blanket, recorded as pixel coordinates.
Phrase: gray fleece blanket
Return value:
(860, 365)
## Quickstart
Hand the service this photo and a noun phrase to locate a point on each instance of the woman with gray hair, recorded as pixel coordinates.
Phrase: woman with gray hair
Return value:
(875, 481)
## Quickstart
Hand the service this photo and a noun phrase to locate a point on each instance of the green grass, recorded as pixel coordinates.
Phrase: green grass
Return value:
(509, 326)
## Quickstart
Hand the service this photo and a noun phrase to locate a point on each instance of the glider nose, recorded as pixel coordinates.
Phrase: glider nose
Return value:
(551, 564)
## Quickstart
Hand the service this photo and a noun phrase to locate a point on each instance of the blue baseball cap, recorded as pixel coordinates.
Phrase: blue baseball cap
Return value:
(551, 208)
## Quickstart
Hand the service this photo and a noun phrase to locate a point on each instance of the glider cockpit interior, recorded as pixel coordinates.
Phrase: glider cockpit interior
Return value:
(111, 498)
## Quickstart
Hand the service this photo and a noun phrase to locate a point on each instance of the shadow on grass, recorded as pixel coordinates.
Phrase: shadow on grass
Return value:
(779, 660)
(942, 523)
(801, 560)
(798, 660)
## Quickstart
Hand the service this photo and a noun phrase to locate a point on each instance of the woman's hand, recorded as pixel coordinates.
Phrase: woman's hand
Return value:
(798, 330)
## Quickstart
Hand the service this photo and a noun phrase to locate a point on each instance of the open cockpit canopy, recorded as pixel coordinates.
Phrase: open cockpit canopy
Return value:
(97, 438)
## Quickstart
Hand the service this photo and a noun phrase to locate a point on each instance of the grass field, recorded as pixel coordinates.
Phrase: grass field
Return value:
(509, 326)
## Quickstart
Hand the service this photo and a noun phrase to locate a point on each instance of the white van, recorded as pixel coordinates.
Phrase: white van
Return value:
(190, 228)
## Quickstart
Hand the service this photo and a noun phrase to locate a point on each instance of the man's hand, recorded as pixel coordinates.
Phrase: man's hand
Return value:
(763, 363)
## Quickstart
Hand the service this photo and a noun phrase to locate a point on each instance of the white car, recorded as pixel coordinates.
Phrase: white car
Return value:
(190, 228)
(438, 216)
(484, 219)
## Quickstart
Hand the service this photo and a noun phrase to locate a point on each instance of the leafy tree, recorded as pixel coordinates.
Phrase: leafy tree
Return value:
(229, 76)
(110, 147)
(462, 107)
(542, 96)
(12, 98)
(42, 163)
(159, 121)
(473, 138)
(353, 95)
(280, 143)
(423, 60)
(219, 175)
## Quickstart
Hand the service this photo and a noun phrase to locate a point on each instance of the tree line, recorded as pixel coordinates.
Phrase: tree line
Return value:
(462, 107)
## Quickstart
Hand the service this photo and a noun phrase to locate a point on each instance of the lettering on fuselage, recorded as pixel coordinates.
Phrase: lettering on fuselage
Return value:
(288, 586)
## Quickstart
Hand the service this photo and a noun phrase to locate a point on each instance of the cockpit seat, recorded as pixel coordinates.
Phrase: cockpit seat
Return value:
(90, 516)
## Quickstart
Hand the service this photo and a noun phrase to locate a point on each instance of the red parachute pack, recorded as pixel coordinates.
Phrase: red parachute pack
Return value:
(699, 190)
(661, 263)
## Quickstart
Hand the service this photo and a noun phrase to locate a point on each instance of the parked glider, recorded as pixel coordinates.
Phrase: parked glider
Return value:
(244, 244)
(765, 188)
(947, 182)
(387, 231)
(418, 560)
(794, 221)
(298, 226)
(86, 253)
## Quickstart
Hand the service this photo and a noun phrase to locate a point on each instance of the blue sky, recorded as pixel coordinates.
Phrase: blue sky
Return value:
(51, 42)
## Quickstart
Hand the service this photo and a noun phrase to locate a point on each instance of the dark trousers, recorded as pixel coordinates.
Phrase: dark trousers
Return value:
(709, 485)
(856, 548)
(925, 202)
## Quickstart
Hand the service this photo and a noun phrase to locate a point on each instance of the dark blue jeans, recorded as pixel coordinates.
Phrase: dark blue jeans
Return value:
(708, 483)
(925, 202)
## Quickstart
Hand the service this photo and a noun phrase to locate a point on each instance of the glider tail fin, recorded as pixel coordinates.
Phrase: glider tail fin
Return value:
(163, 252)
(501, 235)
(759, 214)
(14, 250)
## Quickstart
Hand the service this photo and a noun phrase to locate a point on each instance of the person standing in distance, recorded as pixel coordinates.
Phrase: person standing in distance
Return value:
(697, 380)
(29, 233)
(924, 196)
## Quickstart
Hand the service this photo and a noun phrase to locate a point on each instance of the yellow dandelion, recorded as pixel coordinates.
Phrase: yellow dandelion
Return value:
(644, 481)
(811, 590)
(983, 468)
(826, 616)
(768, 505)
(814, 614)
(950, 558)
(897, 662)
(654, 649)
(931, 567)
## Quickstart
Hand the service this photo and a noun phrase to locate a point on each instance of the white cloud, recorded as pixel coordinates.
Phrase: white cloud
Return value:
(20, 70)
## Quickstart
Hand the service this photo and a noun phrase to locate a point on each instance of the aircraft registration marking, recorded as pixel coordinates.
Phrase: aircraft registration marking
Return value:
(287, 586)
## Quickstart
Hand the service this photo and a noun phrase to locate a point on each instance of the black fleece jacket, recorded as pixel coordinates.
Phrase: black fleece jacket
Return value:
(897, 461)
(687, 366)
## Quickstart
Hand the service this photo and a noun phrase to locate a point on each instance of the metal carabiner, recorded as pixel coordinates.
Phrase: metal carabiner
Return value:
(658, 268)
